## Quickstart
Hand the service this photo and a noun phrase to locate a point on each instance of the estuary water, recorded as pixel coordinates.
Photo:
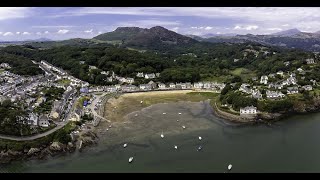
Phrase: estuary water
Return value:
(290, 145)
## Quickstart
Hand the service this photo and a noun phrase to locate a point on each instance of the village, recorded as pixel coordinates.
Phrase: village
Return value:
(275, 86)
(29, 91)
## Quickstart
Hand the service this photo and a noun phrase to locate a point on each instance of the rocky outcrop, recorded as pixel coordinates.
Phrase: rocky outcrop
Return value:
(57, 146)
(71, 147)
(33, 151)
(88, 138)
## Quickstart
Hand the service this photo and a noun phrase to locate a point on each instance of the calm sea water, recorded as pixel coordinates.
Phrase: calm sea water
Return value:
(291, 145)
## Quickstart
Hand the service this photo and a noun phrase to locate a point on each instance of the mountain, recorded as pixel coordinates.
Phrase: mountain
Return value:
(289, 32)
(69, 42)
(198, 38)
(38, 40)
(209, 35)
(142, 37)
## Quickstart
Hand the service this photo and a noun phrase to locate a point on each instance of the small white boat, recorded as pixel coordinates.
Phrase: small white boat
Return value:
(162, 136)
(200, 138)
(110, 126)
(177, 120)
(130, 159)
(136, 115)
(179, 113)
(125, 145)
(141, 102)
(164, 113)
(107, 129)
(230, 167)
(183, 127)
(176, 147)
(199, 148)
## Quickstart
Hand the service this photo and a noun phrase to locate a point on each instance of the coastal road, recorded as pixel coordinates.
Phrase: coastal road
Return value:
(93, 104)
(29, 138)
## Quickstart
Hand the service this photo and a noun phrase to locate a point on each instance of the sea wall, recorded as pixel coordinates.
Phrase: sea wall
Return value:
(231, 117)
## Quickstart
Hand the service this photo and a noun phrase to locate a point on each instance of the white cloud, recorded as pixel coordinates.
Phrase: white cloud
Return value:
(247, 27)
(262, 17)
(26, 33)
(14, 12)
(63, 31)
(208, 28)
(39, 33)
(1, 33)
(274, 29)
(89, 31)
(46, 32)
(175, 29)
(237, 27)
(8, 34)
(285, 25)
(99, 32)
(18, 33)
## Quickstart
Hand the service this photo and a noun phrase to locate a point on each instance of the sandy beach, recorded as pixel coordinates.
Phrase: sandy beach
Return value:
(117, 108)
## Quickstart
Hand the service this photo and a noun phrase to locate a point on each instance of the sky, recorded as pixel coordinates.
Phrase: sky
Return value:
(19, 23)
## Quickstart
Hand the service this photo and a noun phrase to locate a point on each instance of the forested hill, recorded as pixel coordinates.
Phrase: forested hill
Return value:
(134, 36)
(205, 61)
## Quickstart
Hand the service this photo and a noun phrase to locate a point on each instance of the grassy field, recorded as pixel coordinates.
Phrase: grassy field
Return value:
(244, 73)
(128, 103)
(64, 81)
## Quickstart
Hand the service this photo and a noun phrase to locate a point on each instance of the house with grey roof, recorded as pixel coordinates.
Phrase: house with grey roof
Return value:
(145, 87)
(292, 90)
(274, 94)
(307, 87)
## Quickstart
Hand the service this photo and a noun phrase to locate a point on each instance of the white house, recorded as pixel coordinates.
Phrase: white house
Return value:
(145, 86)
(162, 86)
(44, 121)
(256, 94)
(249, 110)
(172, 85)
(264, 80)
(310, 61)
(140, 74)
(33, 119)
(207, 85)
(280, 73)
(130, 80)
(198, 85)
(150, 76)
(5, 66)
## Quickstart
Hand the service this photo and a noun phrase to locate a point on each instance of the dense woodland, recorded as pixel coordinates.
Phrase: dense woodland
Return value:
(199, 61)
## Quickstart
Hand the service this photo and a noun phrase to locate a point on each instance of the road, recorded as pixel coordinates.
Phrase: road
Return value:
(93, 104)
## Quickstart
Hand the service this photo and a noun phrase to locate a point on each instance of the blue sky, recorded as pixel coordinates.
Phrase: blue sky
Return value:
(64, 23)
